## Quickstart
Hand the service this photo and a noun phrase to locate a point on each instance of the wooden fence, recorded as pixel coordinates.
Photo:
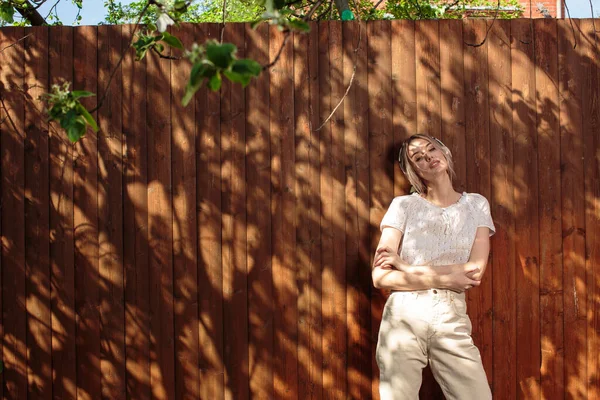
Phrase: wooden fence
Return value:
(223, 250)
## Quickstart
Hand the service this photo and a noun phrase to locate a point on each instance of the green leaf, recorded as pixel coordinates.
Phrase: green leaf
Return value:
(214, 83)
(200, 71)
(237, 78)
(81, 93)
(246, 67)
(69, 119)
(219, 54)
(190, 90)
(159, 47)
(172, 41)
(76, 130)
(88, 117)
(298, 25)
(7, 12)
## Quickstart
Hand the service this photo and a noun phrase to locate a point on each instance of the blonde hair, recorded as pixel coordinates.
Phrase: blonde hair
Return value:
(406, 164)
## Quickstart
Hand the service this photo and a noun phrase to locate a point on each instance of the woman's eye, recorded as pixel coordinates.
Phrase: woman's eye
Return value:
(432, 149)
(418, 159)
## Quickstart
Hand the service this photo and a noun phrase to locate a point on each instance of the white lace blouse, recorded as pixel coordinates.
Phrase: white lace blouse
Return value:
(435, 235)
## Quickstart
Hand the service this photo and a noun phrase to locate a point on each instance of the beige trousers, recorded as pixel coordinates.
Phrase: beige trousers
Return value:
(429, 326)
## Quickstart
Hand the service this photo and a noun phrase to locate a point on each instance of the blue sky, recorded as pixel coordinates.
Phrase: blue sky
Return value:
(93, 10)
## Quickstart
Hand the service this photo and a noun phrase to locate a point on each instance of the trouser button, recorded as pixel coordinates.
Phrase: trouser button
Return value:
(434, 291)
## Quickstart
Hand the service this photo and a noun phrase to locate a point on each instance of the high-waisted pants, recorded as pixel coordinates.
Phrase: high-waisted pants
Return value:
(429, 326)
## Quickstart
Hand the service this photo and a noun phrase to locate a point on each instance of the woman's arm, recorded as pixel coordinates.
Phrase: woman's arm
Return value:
(389, 272)
(456, 277)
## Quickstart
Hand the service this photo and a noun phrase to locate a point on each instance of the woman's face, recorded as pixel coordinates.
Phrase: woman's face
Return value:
(427, 160)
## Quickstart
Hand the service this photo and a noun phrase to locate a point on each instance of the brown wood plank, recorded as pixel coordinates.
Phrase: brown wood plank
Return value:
(404, 99)
(306, 111)
(233, 175)
(210, 275)
(326, 195)
(477, 146)
(526, 210)
(85, 220)
(110, 215)
(502, 205)
(591, 143)
(333, 222)
(64, 365)
(427, 56)
(160, 229)
(356, 164)
(185, 274)
(135, 228)
(12, 150)
(37, 218)
(571, 81)
(258, 155)
(452, 82)
(283, 203)
(381, 55)
(551, 280)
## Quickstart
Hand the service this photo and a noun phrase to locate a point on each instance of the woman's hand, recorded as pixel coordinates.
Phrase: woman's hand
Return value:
(388, 259)
(461, 278)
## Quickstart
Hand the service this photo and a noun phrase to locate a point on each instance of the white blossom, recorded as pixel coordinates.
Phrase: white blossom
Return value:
(163, 22)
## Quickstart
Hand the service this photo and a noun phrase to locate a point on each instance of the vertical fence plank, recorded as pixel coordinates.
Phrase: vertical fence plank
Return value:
(85, 219)
(135, 225)
(315, 314)
(326, 194)
(110, 215)
(551, 281)
(571, 81)
(210, 275)
(306, 110)
(452, 81)
(260, 287)
(135, 228)
(404, 97)
(233, 175)
(61, 229)
(526, 210)
(591, 144)
(477, 147)
(333, 227)
(356, 161)
(381, 138)
(37, 246)
(427, 54)
(283, 219)
(503, 372)
(160, 229)
(185, 272)
(12, 141)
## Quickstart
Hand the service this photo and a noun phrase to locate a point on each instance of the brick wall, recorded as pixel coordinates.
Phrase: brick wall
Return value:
(543, 8)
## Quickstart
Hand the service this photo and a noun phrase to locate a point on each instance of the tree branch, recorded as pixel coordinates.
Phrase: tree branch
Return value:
(30, 13)
(487, 30)
(288, 33)
(114, 71)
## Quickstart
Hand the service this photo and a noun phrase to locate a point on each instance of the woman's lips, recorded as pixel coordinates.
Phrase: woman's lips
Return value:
(434, 164)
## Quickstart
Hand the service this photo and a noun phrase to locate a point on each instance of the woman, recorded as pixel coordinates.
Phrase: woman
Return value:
(443, 238)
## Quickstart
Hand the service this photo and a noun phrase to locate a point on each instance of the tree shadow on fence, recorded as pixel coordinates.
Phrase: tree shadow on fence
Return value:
(223, 250)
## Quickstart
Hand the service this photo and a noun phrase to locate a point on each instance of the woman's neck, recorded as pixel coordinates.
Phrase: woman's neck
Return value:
(441, 192)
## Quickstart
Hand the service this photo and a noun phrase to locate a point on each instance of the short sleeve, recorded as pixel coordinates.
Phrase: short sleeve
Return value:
(395, 217)
(484, 217)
